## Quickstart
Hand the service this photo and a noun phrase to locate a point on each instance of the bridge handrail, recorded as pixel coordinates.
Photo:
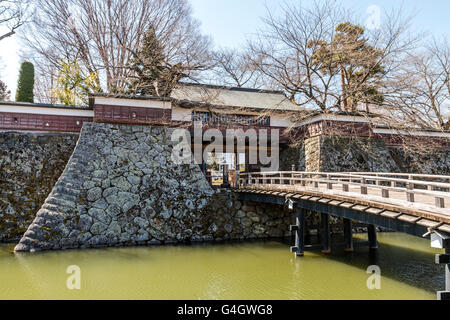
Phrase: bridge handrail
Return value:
(371, 174)
(353, 173)
(347, 179)
(403, 175)
(374, 186)
(327, 181)
(410, 181)
(355, 176)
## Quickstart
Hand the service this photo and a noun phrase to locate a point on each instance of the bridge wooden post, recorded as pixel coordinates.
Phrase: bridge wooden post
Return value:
(348, 235)
(447, 272)
(372, 234)
(299, 229)
(292, 174)
(363, 186)
(325, 233)
(444, 259)
(447, 275)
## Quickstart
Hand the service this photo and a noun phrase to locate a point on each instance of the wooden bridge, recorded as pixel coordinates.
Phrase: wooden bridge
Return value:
(416, 204)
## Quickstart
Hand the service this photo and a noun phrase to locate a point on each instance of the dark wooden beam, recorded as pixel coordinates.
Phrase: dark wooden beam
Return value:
(325, 233)
(299, 228)
(348, 235)
(372, 234)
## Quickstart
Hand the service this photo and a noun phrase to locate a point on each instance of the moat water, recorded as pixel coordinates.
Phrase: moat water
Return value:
(258, 270)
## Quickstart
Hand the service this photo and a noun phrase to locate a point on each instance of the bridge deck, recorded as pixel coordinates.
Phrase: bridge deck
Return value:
(406, 198)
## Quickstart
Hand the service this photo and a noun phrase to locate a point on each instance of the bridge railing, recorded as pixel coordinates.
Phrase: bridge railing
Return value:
(409, 185)
(409, 176)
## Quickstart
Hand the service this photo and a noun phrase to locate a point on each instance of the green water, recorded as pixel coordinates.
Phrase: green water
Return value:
(262, 270)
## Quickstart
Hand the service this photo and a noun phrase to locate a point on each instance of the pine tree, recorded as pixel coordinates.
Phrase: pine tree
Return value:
(357, 63)
(25, 85)
(5, 94)
(151, 73)
(147, 65)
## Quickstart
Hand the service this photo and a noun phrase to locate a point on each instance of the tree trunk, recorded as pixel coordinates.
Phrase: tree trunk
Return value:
(344, 91)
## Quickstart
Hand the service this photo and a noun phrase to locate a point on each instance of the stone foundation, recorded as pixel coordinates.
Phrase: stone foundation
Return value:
(121, 187)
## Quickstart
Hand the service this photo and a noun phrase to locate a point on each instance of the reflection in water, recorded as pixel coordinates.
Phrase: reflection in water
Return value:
(259, 270)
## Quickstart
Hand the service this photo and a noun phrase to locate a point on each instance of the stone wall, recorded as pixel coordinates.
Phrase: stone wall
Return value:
(30, 164)
(363, 154)
(344, 154)
(121, 187)
(293, 155)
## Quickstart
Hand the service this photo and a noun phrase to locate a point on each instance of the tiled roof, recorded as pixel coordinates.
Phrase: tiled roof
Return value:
(234, 97)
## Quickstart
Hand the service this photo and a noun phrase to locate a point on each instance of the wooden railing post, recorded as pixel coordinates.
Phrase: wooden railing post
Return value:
(363, 187)
(440, 202)
(410, 195)
(329, 184)
(292, 174)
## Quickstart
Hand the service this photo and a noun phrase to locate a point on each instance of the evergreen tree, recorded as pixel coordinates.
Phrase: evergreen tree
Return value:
(357, 63)
(25, 85)
(147, 65)
(151, 73)
(5, 94)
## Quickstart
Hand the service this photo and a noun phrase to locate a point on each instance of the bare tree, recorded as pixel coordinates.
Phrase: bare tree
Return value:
(286, 53)
(5, 94)
(103, 34)
(421, 95)
(283, 53)
(233, 68)
(12, 16)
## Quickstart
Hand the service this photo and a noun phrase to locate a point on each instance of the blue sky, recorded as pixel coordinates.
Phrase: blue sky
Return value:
(230, 22)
